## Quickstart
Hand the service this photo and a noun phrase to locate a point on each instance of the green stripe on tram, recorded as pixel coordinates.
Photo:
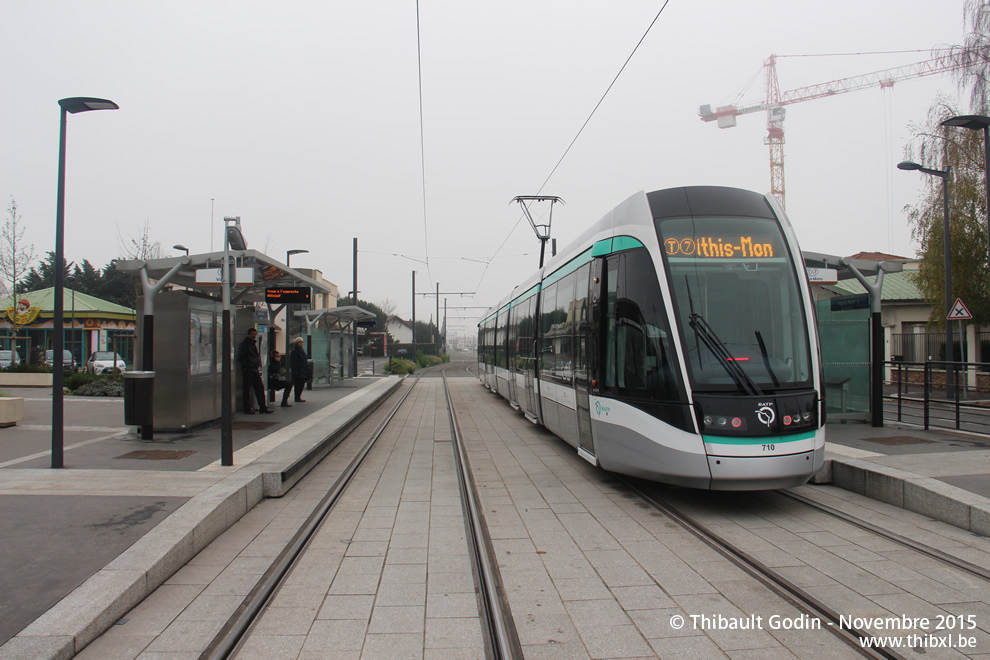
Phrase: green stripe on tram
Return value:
(609, 246)
(761, 440)
(602, 248)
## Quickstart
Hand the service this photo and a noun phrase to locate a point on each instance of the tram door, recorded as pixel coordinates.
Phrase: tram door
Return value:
(588, 282)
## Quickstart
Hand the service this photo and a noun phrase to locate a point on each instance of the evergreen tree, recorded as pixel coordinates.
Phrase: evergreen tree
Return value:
(43, 277)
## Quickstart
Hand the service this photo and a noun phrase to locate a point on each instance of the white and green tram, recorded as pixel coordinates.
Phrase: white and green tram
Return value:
(674, 340)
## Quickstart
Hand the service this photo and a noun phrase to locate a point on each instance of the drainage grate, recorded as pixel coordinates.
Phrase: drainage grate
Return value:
(900, 440)
(158, 454)
(251, 426)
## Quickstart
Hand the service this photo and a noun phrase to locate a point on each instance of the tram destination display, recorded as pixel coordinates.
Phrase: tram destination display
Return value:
(720, 238)
(285, 295)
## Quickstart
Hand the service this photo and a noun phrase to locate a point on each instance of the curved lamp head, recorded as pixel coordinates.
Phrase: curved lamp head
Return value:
(85, 104)
(181, 247)
(908, 165)
(289, 253)
(974, 122)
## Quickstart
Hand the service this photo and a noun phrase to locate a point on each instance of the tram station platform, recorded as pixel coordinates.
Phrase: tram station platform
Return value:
(103, 533)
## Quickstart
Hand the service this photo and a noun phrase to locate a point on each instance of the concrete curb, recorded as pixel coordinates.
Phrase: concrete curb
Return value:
(90, 609)
(924, 495)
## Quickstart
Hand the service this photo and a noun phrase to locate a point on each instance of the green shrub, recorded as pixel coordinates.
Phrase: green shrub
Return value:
(400, 366)
(102, 386)
(424, 360)
(74, 381)
(25, 368)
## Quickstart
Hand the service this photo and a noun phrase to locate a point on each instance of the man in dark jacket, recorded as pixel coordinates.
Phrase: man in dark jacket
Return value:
(250, 360)
(299, 362)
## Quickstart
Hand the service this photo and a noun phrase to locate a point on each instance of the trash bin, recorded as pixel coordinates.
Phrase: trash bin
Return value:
(139, 398)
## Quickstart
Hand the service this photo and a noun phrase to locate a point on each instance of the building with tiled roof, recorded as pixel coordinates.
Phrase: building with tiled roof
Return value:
(90, 324)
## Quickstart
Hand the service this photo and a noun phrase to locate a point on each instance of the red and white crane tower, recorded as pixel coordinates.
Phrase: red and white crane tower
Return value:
(775, 101)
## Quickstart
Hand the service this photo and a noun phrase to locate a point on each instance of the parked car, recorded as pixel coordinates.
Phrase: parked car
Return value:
(101, 361)
(7, 358)
(68, 360)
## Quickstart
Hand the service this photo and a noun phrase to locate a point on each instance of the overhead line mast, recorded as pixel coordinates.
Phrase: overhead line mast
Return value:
(774, 101)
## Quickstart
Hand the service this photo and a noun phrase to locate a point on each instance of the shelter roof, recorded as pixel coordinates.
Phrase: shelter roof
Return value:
(267, 273)
(345, 313)
(896, 287)
(867, 267)
(84, 303)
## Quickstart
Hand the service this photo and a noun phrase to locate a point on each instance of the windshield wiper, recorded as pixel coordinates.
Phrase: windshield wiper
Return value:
(766, 359)
(704, 332)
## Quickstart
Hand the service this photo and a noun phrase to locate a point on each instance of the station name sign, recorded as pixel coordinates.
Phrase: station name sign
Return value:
(214, 276)
(289, 295)
(711, 247)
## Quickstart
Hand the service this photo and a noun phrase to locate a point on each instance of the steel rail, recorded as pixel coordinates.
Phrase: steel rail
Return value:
(501, 639)
(783, 587)
(230, 637)
(944, 557)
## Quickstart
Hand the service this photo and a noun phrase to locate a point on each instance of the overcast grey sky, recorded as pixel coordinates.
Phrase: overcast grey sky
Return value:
(303, 119)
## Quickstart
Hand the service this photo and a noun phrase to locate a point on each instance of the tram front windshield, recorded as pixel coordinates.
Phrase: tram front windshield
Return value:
(737, 302)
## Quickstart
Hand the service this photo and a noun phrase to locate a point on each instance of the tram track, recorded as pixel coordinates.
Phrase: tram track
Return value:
(501, 639)
(786, 589)
(499, 635)
(934, 553)
(234, 632)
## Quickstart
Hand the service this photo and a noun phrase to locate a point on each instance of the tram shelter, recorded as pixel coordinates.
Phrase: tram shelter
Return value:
(183, 327)
(851, 336)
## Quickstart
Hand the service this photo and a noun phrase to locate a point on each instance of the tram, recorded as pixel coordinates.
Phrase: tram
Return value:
(674, 340)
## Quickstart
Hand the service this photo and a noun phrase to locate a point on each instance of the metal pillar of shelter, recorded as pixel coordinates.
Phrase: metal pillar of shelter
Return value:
(848, 268)
(149, 289)
(876, 339)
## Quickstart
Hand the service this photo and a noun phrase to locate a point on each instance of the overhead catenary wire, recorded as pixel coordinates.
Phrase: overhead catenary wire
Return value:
(580, 130)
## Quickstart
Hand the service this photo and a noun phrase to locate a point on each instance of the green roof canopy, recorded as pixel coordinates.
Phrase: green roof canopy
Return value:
(85, 304)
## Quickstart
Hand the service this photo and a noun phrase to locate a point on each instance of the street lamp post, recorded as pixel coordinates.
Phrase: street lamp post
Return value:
(949, 351)
(71, 106)
(233, 238)
(977, 122)
(289, 253)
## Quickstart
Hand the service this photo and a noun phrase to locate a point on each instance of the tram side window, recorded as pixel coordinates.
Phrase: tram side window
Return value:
(580, 316)
(548, 304)
(512, 330)
(564, 322)
(527, 331)
(500, 340)
(639, 358)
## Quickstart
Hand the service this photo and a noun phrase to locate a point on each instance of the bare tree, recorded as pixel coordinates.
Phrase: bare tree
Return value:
(975, 53)
(15, 256)
(141, 247)
(388, 306)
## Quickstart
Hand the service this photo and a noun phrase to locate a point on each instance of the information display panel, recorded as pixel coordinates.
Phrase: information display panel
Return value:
(286, 295)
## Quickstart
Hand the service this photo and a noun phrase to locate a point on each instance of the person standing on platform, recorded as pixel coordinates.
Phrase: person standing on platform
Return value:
(299, 362)
(250, 360)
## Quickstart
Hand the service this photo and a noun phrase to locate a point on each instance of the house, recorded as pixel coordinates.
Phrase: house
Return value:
(400, 329)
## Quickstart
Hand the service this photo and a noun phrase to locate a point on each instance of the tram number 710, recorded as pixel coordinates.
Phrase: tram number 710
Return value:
(768, 447)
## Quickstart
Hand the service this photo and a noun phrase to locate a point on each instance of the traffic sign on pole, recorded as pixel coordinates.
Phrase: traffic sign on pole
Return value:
(959, 312)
